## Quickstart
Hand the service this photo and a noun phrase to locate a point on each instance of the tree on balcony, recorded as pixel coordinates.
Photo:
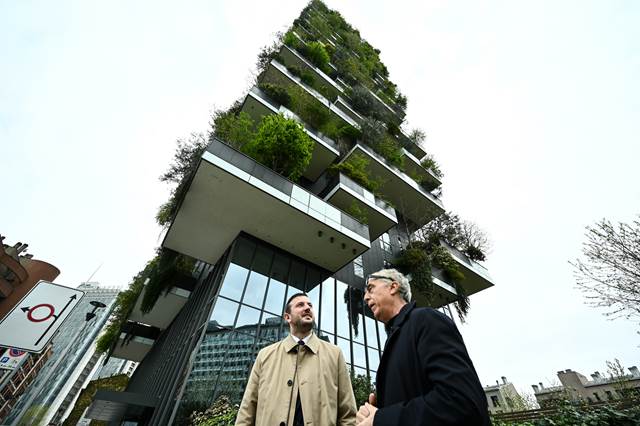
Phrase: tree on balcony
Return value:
(282, 145)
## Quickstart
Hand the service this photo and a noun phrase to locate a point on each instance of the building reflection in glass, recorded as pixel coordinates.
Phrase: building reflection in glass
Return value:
(247, 316)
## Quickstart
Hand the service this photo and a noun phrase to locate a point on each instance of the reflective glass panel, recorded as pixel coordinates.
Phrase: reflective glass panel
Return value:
(359, 357)
(224, 313)
(256, 287)
(237, 366)
(275, 297)
(248, 320)
(346, 349)
(327, 322)
(234, 281)
(374, 359)
(270, 328)
(342, 311)
(327, 337)
(360, 371)
(297, 275)
(314, 297)
(372, 339)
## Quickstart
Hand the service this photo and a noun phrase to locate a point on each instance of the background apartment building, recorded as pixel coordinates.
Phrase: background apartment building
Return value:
(575, 386)
(259, 237)
(71, 359)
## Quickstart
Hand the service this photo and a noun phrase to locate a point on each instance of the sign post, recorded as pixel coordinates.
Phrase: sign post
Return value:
(32, 323)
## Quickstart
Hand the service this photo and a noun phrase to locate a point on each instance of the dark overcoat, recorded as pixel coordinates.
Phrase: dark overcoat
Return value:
(426, 376)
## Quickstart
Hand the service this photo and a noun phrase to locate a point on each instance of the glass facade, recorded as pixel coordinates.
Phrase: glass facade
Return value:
(246, 315)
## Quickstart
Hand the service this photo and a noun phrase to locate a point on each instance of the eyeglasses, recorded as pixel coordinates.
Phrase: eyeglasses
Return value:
(379, 277)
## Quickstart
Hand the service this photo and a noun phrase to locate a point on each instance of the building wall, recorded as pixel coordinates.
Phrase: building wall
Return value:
(501, 398)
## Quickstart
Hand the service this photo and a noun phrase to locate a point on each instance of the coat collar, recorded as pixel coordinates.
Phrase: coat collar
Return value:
(313, 344)
(397, 321)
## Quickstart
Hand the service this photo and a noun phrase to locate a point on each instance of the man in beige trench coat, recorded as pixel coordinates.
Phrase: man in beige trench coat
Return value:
(301, 380)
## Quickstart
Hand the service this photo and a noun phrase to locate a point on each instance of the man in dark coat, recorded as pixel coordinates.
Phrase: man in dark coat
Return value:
(425, 376)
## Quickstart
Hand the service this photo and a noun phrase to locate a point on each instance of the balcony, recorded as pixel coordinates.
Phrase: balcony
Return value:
(476, 276)
(414, 202)
(166, 307)
(277, 74)
(325, 151)
(291, 58)
(428, 180)
(416, 150)
(135, 341)
(443, 293)
(344, 193)
(346, 108)
(230, 193)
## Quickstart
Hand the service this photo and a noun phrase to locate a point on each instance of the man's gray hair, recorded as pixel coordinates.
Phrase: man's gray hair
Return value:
(397, 276)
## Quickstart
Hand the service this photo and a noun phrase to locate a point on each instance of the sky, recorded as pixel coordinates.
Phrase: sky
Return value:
(530, 107)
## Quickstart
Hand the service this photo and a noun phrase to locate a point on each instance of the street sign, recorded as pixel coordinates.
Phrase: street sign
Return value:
(11, 358)
(35, 319)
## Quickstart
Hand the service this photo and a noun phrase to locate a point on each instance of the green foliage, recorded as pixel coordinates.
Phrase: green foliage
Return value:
(317, 54)
(359, 213)
(123, 305)
(356, 168)
(167, 268)
(185, 163)
(234, 129)
(310, 109)
(418, 259)
(282, 145)
(114, 383)
(267, 53)
(34, 415)
(350, 133)
(291, 40)
(366, 104)
(430, 163)
(390, 149)
(304, 75)
(570, 413)
(277, 93)
(362, 387)
(221, 413)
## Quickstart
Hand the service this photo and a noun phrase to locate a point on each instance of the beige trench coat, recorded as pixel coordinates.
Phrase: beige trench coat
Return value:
(322, 379)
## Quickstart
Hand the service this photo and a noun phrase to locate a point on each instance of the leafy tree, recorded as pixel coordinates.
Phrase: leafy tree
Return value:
(282, 145)
(609, 271)
(233, 129)
(356, 168)
(362, 387)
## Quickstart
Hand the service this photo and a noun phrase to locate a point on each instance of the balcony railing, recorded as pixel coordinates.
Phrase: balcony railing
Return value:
(477, 277)
(408, 197)
(232, 193)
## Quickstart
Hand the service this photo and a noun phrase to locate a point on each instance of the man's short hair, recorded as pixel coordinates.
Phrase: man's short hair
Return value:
(287, 307)
(394, 275)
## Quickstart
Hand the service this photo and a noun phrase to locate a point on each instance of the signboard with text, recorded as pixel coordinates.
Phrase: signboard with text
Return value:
(11, 358)
(36, 318)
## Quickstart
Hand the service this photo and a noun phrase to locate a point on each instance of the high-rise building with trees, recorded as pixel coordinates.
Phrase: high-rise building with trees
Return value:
(309, 182)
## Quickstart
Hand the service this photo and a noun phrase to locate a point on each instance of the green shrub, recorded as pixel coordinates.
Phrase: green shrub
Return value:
(350, 133)
(291, 40)
(282, 145)
(430, 163)
(317, 54)
(359, 213)
(235, 130)
(308, 108)
(366, 104)
(390, 149)
(304, 75)
(356, 169)
(277, 93)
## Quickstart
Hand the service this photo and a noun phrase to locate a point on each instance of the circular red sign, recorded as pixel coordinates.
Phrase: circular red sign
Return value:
(42, 305)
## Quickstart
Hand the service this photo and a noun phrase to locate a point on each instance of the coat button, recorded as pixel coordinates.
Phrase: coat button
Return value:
(283, 424)
(290, 382)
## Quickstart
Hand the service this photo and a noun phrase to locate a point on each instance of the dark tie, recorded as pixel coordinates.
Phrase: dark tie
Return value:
(298, 418)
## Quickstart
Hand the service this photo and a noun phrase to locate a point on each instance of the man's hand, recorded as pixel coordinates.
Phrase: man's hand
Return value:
(366, 413)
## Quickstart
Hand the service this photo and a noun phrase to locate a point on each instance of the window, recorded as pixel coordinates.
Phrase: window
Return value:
(358, 269)
(495, 401)
(597, 396)
(385, 243)
(609, 395)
